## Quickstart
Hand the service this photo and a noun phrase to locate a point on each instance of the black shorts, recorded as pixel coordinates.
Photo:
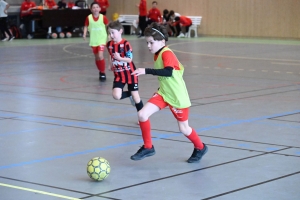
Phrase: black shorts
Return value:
(131, 87)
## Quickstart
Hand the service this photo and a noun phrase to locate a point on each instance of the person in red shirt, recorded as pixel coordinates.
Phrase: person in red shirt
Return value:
(104, 4)
(51, 4)
(26, 16)
(71, 4)
(185, 24)
(154, 14)
(142, 16)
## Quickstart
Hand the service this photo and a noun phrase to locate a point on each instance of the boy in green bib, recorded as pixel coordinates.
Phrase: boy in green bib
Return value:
(96, 23)
(172, 93)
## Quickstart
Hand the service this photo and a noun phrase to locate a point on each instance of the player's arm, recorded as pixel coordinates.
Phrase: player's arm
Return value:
(128, 54)
(166, 71)
(85, 28)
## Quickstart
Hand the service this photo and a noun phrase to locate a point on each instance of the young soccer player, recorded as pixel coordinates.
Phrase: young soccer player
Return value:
(120, 52)
(95, 24)
(172, 93)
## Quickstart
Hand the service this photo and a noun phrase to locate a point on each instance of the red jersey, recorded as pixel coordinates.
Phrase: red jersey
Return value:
(50, 3)
(103, 4)
(25, 6)
(154, 15)
(105, 20)
(122, 70)
(71, 4)
(169, 59)
(184, 21)
(143, 8)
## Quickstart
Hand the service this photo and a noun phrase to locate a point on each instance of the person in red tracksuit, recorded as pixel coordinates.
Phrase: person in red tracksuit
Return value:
(154, 14)
(142, 16)
(185, 24)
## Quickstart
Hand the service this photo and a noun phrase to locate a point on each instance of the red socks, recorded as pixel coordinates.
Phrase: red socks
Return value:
(101, 65)
(195, 139)
(146, 133)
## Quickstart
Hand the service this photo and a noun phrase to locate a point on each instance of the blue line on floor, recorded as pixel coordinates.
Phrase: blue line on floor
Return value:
(140, 141)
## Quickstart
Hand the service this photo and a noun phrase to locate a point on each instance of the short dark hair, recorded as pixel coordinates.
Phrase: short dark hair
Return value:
(165, 12)
(157, 31)
(115, 25)
(172, 12)
(177, 18)
(94, 4)
(154, 2)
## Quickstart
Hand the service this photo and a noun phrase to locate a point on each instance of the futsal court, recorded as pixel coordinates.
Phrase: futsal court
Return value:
(55, 116)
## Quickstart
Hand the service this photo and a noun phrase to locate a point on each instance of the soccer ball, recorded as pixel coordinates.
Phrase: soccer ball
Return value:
(61, 35)
(98, 168)
(68, 34)
(54, 35)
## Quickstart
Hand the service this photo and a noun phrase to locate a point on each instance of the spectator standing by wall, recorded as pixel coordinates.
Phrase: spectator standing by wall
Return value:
(154, 14)
(142, 16)
(3, 21)
(26, 16)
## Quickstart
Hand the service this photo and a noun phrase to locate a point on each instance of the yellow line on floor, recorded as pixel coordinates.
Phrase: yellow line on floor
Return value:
(38, 191)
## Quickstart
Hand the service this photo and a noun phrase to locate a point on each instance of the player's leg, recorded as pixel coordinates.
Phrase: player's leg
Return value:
(147, 149)
(99, 60)
(199, 147)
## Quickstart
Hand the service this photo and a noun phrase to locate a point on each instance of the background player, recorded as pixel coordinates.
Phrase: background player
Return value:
(172, 92)
(95, 24)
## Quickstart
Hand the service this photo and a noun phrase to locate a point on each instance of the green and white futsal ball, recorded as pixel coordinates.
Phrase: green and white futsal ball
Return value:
(98, 168)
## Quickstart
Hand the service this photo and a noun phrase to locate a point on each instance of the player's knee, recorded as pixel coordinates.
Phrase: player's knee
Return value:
(142, 116)
(116, 96)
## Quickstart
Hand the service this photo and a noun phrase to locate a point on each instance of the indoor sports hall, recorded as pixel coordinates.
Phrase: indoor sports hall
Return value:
(55, 115)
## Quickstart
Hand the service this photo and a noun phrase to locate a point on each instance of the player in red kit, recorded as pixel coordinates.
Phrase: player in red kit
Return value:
(96, 23)
(142, 16)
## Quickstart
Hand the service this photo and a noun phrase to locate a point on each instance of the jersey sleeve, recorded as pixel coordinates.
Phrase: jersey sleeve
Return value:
(128, 50)
(105, 20)
(86, 23)
(170, 60)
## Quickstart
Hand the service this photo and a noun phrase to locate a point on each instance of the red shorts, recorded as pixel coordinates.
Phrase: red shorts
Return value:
(97, 49)
(181, 114)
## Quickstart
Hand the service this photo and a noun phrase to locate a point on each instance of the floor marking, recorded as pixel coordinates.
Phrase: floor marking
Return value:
(264, 70)
(252, 70)
(157, 137)
(289, 72)
(229, 68)
(38, 191)
(276, 71)
(205, 67)
(277, 63)
(240, 69)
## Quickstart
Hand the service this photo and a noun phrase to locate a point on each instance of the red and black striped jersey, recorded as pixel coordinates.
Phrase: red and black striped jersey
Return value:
(122, 70)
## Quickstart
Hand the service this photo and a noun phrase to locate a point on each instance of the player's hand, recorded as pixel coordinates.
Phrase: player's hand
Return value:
(139, 71)
(117, 56)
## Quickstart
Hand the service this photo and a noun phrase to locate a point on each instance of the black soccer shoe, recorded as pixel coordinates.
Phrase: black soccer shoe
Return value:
(102, 77)
(197, 154)
(143, 153)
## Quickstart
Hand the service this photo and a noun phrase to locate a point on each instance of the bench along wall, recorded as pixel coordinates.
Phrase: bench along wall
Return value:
(239, 18)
